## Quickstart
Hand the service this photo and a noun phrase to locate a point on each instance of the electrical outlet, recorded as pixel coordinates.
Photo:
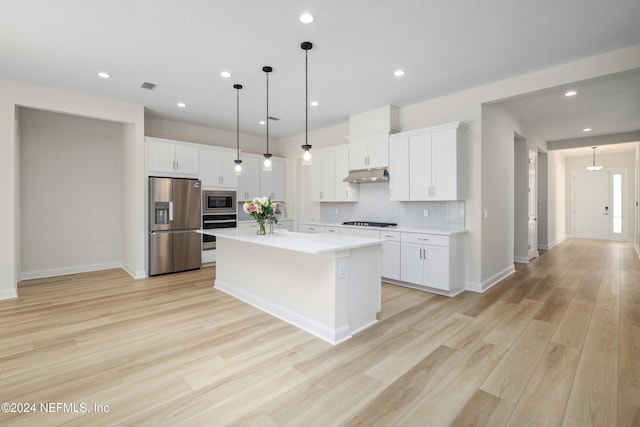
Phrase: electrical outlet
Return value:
(486, 214)
(336, 211)
(425, 213)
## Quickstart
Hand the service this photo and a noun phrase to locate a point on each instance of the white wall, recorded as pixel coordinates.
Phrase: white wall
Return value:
(521, 201)
(556, 199)
(608, 161)
(18, 94)
(186, 132)
(71, 181)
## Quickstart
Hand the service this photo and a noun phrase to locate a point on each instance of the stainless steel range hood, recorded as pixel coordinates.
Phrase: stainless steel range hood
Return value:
(367, 175)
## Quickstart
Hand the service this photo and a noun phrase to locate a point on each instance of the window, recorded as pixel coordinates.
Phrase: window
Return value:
(617, 203)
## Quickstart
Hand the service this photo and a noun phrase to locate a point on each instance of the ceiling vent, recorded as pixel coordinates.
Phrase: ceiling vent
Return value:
(147, 85)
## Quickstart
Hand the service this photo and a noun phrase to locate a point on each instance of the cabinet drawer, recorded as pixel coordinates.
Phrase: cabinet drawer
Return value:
(390, 235)
(425, 239)
(332, 230)
(308, 228)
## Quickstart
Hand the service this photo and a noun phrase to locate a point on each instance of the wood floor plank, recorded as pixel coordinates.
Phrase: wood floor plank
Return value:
(545, 396)
(173, 350)
(484, 409)
(508, 380)
(573, 326)
(593, 398)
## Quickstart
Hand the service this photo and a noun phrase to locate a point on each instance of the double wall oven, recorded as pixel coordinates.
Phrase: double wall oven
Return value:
(218, 211)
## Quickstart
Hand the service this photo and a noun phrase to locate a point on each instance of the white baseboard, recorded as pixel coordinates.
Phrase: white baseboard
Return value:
(638, 250)
(52, 272)
(491, 281)
(8, 294)
(324, 332)
(521, 260)
(136, 274)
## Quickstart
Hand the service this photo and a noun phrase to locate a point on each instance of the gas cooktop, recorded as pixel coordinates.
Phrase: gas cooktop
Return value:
(370, 223)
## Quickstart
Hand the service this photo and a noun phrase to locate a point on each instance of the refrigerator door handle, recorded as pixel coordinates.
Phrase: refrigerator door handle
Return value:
(170, 211)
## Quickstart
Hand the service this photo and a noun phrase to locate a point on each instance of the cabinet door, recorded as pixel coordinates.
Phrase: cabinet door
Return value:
(187, 160)
(399, 168)
(316, 179)
(436, 267)
(249, 180)
(328, 176)
(344, 191)
(411, 263)
(358, 153)
(209, 168)
(161, 157)
(378, 150)
(228, 177)
(390, 260)
(444, 165)
(420, 167)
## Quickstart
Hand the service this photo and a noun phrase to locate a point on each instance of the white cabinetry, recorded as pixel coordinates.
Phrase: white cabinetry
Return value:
(329, 168)
(390, 256)
(249, 179)
(313, 228)
(369, 151)
(272, 182)
(425, 260)
(254, 182)
(217, 168)
(428, 164)
(172, 157)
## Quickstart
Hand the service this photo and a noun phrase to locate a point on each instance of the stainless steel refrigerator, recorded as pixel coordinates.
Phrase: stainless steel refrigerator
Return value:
(174, 216)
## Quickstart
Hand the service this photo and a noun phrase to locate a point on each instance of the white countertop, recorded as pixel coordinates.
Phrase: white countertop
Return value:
(431, 230)
(310, 243)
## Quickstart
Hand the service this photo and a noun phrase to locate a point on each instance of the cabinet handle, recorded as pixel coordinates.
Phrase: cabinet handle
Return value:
(423, 239)
(420, 253)
(386, 235)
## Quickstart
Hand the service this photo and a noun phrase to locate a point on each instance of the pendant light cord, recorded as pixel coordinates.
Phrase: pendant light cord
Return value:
(306, 98)
(237, 124)
(267, 113)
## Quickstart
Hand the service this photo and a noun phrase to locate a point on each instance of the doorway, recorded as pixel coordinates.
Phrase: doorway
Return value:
(599, 204)
(525, 247)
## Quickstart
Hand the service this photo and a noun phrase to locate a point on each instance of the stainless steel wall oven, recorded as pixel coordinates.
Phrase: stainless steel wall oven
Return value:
(213, 221)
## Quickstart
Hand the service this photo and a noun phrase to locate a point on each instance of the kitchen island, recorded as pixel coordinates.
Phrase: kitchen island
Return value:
(324, 284)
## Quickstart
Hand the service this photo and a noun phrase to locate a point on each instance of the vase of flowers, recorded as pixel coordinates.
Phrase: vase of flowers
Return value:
(261, 209)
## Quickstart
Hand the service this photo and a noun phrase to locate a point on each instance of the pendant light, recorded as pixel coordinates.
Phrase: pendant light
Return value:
(266, 165)
(593, 167)
(306, 157)
(237, 161)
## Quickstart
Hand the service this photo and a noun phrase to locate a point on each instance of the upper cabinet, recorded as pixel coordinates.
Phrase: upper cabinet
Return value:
(370, 151)
(272, 182)
(330, 166)
(428, 164)
(172, 158)
(249, 179)
(217, 168)
(255, 182)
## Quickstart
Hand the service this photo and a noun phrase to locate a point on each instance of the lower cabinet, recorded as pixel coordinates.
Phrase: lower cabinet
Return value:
(425, 260)
(430, 262)
(390, 256)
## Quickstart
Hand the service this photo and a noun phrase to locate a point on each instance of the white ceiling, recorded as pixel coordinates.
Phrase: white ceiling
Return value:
(182, 46)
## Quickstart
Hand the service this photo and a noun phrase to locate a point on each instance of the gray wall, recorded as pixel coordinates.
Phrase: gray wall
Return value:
(71, 193)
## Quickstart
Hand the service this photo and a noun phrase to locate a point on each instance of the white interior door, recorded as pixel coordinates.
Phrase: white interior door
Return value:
(533, 205)
(591, 204)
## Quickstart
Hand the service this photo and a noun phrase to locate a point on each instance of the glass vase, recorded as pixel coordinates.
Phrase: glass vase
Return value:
(261, 230)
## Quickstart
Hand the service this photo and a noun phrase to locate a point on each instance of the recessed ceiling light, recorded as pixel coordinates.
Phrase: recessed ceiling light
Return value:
(586, 130)
(398, 73)
(570, 93)
(306, 18)
(314, 103)
(225, 74)
(262, 122)
(104, 75)
(181, 104)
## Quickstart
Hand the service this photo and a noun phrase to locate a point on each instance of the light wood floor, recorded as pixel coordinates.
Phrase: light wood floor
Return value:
(557, 343)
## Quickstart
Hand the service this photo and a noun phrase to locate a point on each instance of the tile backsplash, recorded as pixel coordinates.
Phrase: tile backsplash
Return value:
(374, 205)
